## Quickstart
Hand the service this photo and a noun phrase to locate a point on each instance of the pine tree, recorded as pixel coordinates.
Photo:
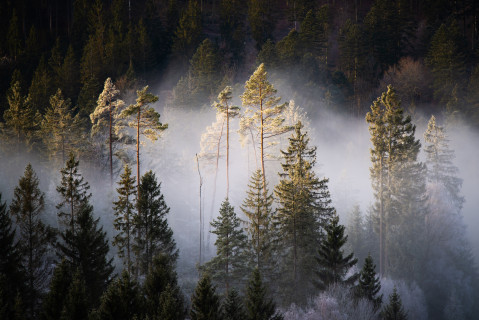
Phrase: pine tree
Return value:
(86, 250)
(164, 299)
(27, 205)
(394, 309)
(368, 283)
(124, 210)
(263, 113)
(103, 118)
(74, 193)
(356, 230)
(303, 211)
(204, 72)
(75, 305)
(258, 305)
(153, 235)
(59, 286)
(333, 265)
(227, 267)
(259, 225)
(232, 29)
(205, 303)
(147, 122)
(122, 300)
(188, 34)
(233, 308)
(60, 129)
(11, 270)
(261, 21)
(41, 88)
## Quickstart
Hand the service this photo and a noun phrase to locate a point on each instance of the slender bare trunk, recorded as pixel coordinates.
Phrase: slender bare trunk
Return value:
(111, 149)
(227, 151)
(262, 144)
(381, 213)
(201, 229)
(138, 155)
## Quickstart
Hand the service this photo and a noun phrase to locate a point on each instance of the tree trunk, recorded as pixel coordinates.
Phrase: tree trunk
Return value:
(111, 150)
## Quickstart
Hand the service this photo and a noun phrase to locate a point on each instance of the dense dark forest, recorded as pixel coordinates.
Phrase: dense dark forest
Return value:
(308, 162)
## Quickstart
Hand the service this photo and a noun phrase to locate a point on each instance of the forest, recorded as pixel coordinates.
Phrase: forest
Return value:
(228, 159)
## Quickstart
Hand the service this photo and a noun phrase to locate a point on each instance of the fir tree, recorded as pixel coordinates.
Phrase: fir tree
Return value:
(233, 308)
(332, 263)
(153, 235)
(86, 248)
(356, 230)
(259, 223)
(205, 303)
(124, 210)
(41, 88)
(27, 205)
(394, 309)
(303, 211)
(263, 113)
(103, 118)
(258, 305)
(11, 270)
(147, 122)
(164, 299)
(368, 283)
(59, 286)
(122, 300)
(227, 267)
(75, 306)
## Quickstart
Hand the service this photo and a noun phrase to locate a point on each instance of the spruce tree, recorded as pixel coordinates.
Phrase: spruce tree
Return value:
(259, 212)
(164, 299)
(303, 209)
(258, 305)
(228, 266)
(189, 31)
(75, 305)
(204, 72)
(53, 301)
(35, 237)
(233, 308)
(11, 270)
(147, 122)
(205, 303)
(124, 210)
(41, 87)
(104, 116)
(261, 21)
(263, 113)
(122, 300)
(394, 309)
(332, 264)
(153, 235)
(86, 248)
(368, 283)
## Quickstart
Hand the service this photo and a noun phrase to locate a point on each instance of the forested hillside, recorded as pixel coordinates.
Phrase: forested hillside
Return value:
(227, 159)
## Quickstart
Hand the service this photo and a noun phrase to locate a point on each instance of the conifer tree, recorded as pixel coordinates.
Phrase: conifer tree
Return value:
(332, 263)
(122, 300)
(258, 210)
(232, 29)
(75, 306)
(74, 193)
(356, 230)
(189, 31)
(227, 267)
(87, 250)
(261, 21)
(258, 305)
(11, 270)
(205, 303)
(233, 308)
(368, 283)
(124, 210)
(41, 88)
(153, 235)
(263, 113)
(394, 309)
(147, 122)
(27, 205)
(303, 211)
(104, 116)
(204, 72)
(60, 128)
(59, 286)
(164, 299)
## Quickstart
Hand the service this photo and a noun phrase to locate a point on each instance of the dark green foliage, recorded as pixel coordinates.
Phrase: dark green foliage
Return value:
(205, 303)
(59, 287)
(227, 268)
(75, 306)
(164, 299)
(204, 72)
(233, 308)
(41, 88)
(11, 271)
(261, 20)
(87, 250)
(35, 237)
(232, 28)
(368, 283)
(258, 305)
(153, 235)
(122, 300)
(188, 35)
(332, 263)
(394, 309)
